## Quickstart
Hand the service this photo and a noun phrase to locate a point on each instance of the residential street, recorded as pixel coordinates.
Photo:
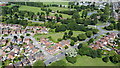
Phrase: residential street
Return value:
(49, 58)
(101, 32)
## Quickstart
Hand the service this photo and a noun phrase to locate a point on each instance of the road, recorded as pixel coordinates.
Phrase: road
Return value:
(62, 55)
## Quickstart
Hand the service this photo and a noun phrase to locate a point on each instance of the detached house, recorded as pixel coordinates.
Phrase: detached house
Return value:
(27, 40)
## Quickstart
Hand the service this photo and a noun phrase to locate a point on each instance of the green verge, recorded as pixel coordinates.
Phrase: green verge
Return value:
(88, 61)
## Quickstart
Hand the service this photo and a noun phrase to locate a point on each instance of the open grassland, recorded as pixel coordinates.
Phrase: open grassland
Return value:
(55, 36)
(62, 3)
(59, 8)
(38, 9)
(48, 0)
(30, 8)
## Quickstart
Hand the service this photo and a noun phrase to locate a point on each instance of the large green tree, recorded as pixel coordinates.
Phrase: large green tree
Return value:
(71, 59)
(76, 15)
(89, 33)
(81, 36)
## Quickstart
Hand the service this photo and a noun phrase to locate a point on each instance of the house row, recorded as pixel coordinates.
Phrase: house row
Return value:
(53, 48)
(17, 29)
(105, 43)
(30, 51)
(12, 26)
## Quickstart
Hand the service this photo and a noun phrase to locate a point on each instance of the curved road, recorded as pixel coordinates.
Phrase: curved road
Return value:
(62, 55)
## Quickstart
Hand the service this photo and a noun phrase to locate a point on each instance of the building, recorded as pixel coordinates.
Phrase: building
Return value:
(3, 3)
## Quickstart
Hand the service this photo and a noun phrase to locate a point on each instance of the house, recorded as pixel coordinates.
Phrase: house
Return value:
(18, 64)
(11, 55)
(104, 42)
(3, 3)
(27, 40)
(3, 41)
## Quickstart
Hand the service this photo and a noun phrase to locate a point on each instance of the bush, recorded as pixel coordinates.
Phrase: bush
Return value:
(71, 59)
(27, 34)
(105, 59)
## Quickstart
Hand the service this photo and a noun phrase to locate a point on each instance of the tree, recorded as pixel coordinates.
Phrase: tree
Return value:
(80, 45)
(110, 27)
(76, 15)
(22, 37)
(59, 39)
(104, 18)
(71, 59)
(117, 10)
(84, 14)
(72, 43)
(118, 26)
(70, 33)
(27, 34)
(79, 21)
(60, 16)
(83, 51)
(115, 58)
(15, 37)
(112, 20)
(65, 36)
(91, 40)
(61, 28)
(89, 33)
(105, 59)
(99, 52)
(75, 39)
(95, 31)
(81, 37)
(47, 13)
(38, 13)
(66, 47)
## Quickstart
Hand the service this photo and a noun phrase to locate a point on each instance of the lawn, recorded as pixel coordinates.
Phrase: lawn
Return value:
(38, 9)
(30, 8)
(88, 61)
(0, 64)
(62, 3)
(55, 36)
(48, 1)
(59, 8)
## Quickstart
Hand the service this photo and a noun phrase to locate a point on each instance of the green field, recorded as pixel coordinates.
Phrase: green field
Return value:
(59, 8)
(37, 9)
(55, 36)
(88, 61)
(62, 3)
(30, 8)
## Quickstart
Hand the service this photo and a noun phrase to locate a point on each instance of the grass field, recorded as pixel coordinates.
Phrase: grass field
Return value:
(59, 8)
(88, 61)
(62, 3)
(30, 8)
(55, 36)
(37, 9)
